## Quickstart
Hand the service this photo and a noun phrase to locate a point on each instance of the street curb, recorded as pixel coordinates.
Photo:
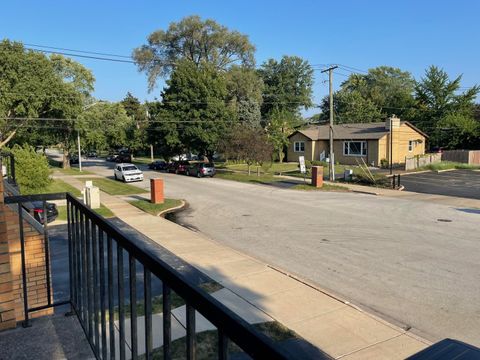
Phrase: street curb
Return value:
(365, 192)
(441, 171)
(174, 209)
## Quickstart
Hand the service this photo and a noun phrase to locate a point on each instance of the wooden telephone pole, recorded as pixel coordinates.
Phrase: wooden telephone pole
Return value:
(331, 164)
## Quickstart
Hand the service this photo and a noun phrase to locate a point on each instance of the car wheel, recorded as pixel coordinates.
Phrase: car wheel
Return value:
(123, 178)
(176, 172)
(187, 173)
(199, 175)
(115, 175)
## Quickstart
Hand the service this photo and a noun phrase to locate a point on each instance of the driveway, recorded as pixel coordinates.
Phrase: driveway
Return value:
(461, 183)
(414, 263)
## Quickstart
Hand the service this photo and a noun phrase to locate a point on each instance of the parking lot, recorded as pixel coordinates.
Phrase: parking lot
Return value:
(461, 183)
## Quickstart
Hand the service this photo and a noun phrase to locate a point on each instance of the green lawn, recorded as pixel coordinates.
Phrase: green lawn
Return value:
(262, 179)
(58, 186)
(103, 211)
(73, 171)
(156, 209)
(325, 187)
(448, 165)
(114, 187)
(142, 160)
(272, 168)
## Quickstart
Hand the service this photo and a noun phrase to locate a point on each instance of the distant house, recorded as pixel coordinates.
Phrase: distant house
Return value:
(354, 142)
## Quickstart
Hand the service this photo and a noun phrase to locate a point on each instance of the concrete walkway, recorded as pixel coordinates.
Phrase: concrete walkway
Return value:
(257, 292)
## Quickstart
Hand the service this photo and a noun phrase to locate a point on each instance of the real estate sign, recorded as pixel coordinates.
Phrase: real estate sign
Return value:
(301, 161)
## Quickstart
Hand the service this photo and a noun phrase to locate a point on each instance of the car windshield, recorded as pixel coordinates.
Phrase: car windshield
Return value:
(129, 168)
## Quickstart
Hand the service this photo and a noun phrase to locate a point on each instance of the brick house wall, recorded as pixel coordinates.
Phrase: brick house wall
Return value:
(11, 289)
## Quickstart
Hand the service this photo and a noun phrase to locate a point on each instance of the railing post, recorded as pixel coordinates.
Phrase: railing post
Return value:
(26, 322)
(147, 283)
(167, 322)
(47, 252)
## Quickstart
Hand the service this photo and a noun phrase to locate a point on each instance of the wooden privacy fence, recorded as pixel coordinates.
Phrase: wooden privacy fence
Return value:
(418, 161)
(471, 157)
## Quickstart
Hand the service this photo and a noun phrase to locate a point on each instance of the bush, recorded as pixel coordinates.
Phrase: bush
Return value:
(379, 180)
(31, 169)
(384, 163)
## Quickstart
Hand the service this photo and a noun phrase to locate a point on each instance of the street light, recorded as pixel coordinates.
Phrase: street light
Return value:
(78, 135)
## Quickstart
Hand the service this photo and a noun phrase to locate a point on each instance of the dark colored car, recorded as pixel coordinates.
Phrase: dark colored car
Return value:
(112, 157)
(92, 154)
(201, 170)
(158, 165)
(124, 158)
(178, 167)
(74, 159)
(35, 208)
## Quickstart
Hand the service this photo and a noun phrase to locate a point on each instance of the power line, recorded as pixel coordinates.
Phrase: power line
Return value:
(83, 56)
(79, 51)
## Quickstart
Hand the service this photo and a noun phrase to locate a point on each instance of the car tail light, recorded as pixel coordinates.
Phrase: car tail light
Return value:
(38, 211)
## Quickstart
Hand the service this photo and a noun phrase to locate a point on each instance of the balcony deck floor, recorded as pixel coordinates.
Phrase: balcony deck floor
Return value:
(49, 337)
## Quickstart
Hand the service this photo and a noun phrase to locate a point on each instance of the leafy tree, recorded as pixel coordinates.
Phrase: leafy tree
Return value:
(288, 85)
(439, 103)
(280, 126)
(200, 42)
(458, 131)
(247, 143)
(31, 169)
(136, 132)
(104, 126)
(195, 99)
(244, 88)
(351, 107)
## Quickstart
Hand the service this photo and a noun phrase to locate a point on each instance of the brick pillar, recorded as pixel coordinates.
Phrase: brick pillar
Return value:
(156, 191)
(317, 176)
(7, 303)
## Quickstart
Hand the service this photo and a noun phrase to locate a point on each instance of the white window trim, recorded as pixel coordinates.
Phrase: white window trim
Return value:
(299, 147)
(364, 145)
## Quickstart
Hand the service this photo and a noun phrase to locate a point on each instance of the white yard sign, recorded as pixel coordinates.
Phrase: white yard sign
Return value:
(301, 161)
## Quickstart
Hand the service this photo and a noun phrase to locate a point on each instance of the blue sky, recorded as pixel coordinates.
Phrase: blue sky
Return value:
(407, 34)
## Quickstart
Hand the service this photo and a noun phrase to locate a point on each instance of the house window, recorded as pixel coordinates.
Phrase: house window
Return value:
(299, 146)
(355, 148)
(411, 145)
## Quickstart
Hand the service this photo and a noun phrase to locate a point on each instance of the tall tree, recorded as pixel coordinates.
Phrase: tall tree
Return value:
(245, 88)
(440, 103)
(288, 85)
(194, 40)
(195, 100)
(280, 125)
(136, 132)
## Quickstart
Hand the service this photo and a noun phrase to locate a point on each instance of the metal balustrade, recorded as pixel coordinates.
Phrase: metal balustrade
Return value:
(104, 268)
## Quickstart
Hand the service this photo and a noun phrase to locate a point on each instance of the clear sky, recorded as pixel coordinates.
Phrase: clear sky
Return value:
(407, 34)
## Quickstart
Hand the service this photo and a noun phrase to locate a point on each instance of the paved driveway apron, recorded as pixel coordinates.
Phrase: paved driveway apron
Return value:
(462, 183)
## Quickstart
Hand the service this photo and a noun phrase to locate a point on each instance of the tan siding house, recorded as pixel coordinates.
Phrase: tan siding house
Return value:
(359, 143)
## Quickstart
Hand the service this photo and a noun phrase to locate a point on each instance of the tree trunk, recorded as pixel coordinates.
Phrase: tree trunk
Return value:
(66, 159)
(249, 170)
(280, 156)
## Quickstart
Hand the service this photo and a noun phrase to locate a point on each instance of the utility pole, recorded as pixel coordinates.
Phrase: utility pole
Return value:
(391, 145)
(79, 153)
(331, 164)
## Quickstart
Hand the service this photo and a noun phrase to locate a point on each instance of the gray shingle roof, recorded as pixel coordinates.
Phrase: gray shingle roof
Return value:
(346, 131)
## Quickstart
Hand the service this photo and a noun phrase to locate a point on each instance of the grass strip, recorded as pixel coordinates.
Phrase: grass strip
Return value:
(114, 187)
(103, 211)
(156, 209)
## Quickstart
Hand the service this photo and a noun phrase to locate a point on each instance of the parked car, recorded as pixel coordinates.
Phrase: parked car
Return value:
(112, 157)
(92, 154)
(201, 169)
(158, 165)
(73, 159)
(127, 173)
(124, 158)
(35, 208)
(178, 167)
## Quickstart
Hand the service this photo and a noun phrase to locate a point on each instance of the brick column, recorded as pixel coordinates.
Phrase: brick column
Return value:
(156, 191)
(7, 302)
(317, 176)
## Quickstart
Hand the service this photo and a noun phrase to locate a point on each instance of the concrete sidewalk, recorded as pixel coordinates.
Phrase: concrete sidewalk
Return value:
(258, 292)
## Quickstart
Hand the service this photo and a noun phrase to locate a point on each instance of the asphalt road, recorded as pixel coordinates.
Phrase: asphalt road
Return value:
(461, 183)
(413, 263)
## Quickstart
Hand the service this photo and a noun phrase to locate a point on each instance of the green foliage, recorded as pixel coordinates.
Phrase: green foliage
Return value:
(194, 108)
(288, 85)
(31, 169)
(104, 126)
(197, 41)
(384, 163)
(457, 130)
(137, 130)
(279, 127)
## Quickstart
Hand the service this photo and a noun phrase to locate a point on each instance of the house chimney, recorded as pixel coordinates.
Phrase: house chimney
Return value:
(394, 120)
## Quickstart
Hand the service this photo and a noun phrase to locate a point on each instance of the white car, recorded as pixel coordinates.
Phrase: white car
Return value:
(127, 173)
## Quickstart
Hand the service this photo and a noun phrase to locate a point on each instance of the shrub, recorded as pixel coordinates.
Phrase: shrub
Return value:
(379, 180)
(384, 163)
(31, 169)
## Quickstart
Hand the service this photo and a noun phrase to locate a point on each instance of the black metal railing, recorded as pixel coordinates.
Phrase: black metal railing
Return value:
(105, 288)
(7, 160)
(396, 181)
